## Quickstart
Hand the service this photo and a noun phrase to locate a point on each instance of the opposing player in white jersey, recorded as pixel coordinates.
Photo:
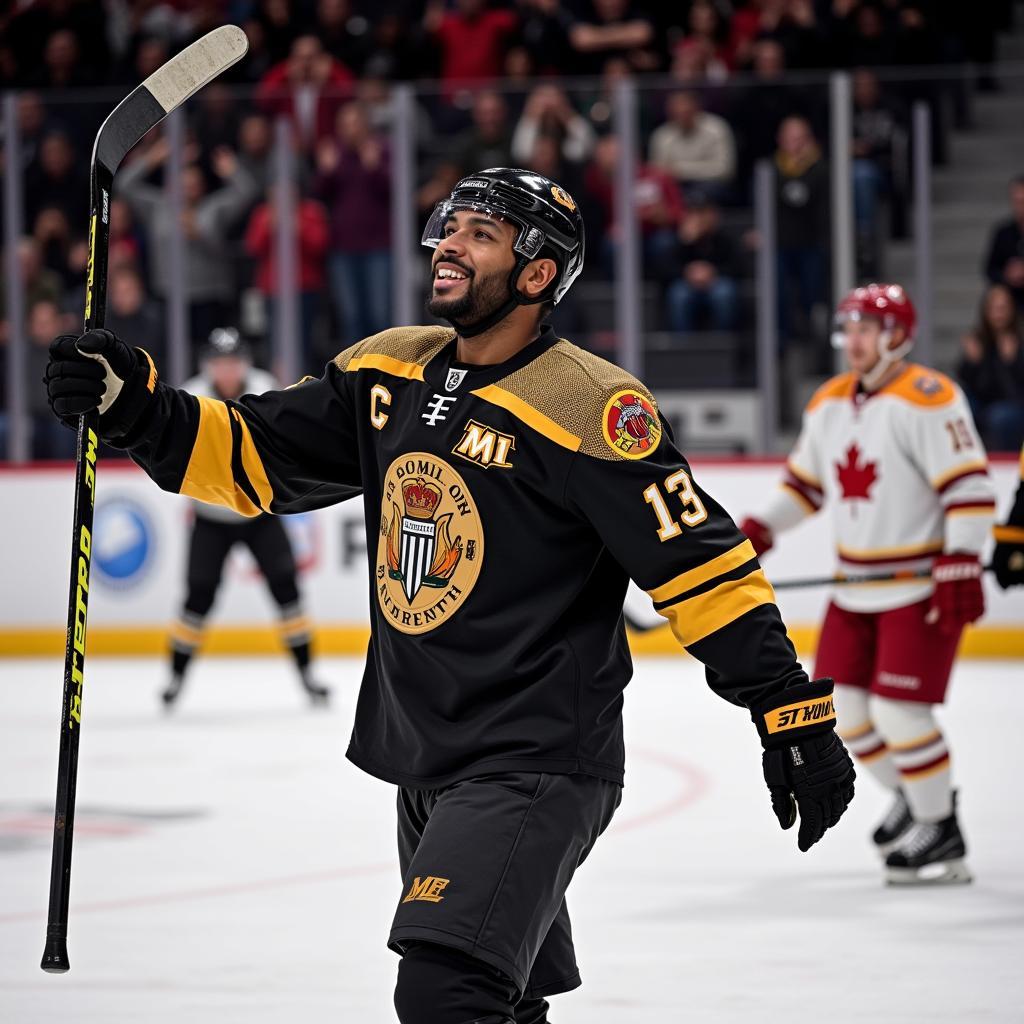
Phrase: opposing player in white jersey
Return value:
(891, 447)
(226, 372)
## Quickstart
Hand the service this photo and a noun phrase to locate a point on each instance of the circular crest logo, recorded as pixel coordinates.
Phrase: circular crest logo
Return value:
(631, 426)
(431, 543)
(123, 542)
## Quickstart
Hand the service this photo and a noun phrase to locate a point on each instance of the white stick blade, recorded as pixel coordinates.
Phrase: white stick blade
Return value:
(196, 65)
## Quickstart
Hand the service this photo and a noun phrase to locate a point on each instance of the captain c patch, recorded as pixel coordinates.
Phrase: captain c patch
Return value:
(630, 426)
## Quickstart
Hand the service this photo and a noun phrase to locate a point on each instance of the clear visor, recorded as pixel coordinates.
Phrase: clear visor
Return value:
(842, 318)
(528, 242)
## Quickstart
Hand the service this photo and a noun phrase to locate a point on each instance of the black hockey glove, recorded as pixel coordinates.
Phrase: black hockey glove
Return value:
(1008, 557)
(99, 371)
(805, 764)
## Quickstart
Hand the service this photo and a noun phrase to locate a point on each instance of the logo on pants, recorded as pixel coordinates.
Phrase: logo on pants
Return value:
(428, 890)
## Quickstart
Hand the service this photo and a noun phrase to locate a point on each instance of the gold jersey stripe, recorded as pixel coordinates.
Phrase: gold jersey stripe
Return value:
(208, 476)
(377, 361)
(979, 466)
(529, 415)
(1008, 534)
(253, 465)
(700, 616)
(926, 549)
(718, 566)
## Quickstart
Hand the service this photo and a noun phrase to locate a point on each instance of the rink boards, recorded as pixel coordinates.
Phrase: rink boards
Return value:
(139, 555)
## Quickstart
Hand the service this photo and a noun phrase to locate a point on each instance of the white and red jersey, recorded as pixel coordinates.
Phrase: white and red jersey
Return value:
(905, 476)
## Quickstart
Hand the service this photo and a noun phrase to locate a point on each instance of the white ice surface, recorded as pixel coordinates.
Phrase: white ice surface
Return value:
(230, 865)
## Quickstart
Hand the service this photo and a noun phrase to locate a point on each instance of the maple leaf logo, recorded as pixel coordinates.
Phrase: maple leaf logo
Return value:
(856, 477)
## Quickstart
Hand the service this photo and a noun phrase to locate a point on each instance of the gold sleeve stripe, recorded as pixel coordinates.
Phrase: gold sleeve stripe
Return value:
(718, 566)
(943, 481)
(803, 476)
(530, 416)
(253, 465)
(1008, 534)
(377, 361)
(208, 476)
(802, 500)
(151, 380)
(700, 616)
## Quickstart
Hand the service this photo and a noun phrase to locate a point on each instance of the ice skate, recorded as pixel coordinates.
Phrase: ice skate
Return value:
(932, 853)
(319, 695)
(894, 826)
(173, 691)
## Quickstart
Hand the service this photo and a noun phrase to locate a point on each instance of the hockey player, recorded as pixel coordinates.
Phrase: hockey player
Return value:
(1008, 557)
(227, 373)
(510, 481)
(892, 449)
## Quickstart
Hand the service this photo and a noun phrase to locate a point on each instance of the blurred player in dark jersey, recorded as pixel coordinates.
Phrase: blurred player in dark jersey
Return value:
(512, 483)
(227, 373)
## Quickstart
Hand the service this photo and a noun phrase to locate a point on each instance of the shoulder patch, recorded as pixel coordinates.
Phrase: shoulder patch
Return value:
(408, 346)
(630, 424)
(575, 394)
(922, 386)
(838, 388)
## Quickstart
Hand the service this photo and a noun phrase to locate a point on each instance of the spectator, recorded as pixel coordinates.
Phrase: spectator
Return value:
(254, 144)
(705, 290)
(705, 34)
(205, 220)
(544, 31)
(763, 105)
(991, 371)
(472, 39)
(343, 35)
(354, 180)
(791, 24)
(488, 142)
(53, 233)
(312, 234)
(131, 313)
(549, 112)
(39, 284)
(876, 124)
(50, 438)
(695, 147)
(657, 201)
(125, 245)
(613, 28)
(60, 178)
(215, 120)
(1005, 263)
(802, 205)
(309, 87)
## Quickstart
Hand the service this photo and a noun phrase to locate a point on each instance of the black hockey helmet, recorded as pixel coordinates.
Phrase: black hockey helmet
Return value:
(225, 341)
(549, 222)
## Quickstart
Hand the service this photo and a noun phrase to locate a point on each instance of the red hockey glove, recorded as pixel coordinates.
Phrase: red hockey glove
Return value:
(758, 534)
(958, 598)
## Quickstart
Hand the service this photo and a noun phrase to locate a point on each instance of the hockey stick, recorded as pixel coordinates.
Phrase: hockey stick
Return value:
(142, 109)
(845, 581)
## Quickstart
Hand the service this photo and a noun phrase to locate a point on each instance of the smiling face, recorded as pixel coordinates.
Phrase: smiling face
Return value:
(471, 266)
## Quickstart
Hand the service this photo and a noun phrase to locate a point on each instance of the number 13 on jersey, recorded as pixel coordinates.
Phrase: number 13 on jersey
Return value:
(694, 513)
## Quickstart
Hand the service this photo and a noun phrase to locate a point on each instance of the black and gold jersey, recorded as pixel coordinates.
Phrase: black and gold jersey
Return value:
(506, 507)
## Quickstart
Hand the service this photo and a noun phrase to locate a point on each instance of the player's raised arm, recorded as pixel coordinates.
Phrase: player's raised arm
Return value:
(284, 451)
(679, 545)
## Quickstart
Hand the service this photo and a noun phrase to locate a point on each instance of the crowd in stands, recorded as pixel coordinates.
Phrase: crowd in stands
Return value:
(523, 82)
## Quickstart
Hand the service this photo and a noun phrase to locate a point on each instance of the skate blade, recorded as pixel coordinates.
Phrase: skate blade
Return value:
(949, 872)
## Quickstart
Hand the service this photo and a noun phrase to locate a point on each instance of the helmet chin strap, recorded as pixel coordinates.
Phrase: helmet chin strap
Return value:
(516, 298)
(887, 358)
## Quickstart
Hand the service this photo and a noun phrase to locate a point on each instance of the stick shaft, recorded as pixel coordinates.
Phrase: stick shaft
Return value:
(848, 581)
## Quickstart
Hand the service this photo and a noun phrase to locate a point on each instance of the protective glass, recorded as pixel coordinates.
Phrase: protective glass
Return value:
(528, 242)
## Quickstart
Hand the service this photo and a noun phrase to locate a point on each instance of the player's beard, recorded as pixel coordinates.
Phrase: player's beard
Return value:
(482, 297)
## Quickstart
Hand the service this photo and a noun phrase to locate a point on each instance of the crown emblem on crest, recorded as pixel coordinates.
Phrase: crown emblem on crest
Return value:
(421, 498)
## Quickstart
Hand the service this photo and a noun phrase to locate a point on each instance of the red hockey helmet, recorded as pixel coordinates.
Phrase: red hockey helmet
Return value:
(889, 303)
(891, 306)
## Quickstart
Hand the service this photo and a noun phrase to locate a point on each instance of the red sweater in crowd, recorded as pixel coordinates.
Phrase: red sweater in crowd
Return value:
(313, 236)
(474, 48)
